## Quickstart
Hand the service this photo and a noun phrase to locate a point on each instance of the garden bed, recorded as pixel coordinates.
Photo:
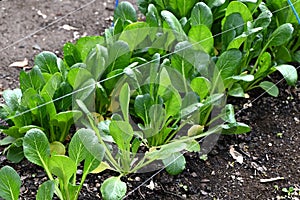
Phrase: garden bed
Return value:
(270, 150)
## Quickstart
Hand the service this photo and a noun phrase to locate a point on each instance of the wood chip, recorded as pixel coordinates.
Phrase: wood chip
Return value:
(271, 179)
(20, 64)
(69, 28)
(236, 155)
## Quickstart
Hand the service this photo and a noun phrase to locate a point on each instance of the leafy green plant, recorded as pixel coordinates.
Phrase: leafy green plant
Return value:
(37, 151)
(32, 106)
(10, 183)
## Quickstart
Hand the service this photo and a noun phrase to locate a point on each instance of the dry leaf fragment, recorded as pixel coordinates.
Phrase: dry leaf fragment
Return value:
(236, 155)
(69, 28)
(20, 64)
(151, 185)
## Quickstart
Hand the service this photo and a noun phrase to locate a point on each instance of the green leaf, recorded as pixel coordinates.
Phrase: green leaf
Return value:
(174, 24)
(57, 148)
(77, 151)
(239, 7)
(12, 98)
(281, 35)
(201, 38)
(142, 104)
(201, 14)
(175, 163)
(201, 86)
(91, 143)
(122, 133)
(270, 88)
(232, 27)
(96, 61)
(71, 54)
(134, 34)
(228, 64)
(124, 101)
(46, 191)
(228, 114)
(289, 73)
(10, 183)
(185, 6)
(47, 62)
(119, 56)
(236, 128)
(36, 147)
(15, 153)
(85, 44)
(236, 90)
(63, 167)
(125, 11)
(113, 189)
(33, 79)
(243, 77)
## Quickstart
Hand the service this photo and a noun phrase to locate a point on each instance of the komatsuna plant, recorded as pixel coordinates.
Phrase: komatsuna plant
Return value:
(60, 169)
(33, 105)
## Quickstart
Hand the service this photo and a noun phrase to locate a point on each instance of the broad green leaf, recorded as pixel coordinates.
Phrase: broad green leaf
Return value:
(71, 54)
(7, 140)
(96, 61)
(63, 167)
(193, 145)
(46, 191)
(124, 101)
(77, 76)
(215, 3)
(228, 114)
(36, 105)
(166, 150)
(281, 35)
(57, 148)
(113, 189)
(13, 132)
(283, 55)
(90, 163)
(122, 133)
(233, 26)
(243, 77)
(33, 79)
(289, 73)
(10, 183)
(201, 14)
(239, 7)
(76, 150)
(36, 147)
(236, 128)
(236, 90)
(12, 98)
(174, 24)
(228, 65)
(119, 56)
(175, 163)
(85, 44)
(201, 86)
(47, 62)
(270, 88)
(152, 16)
(134, 34)
(91, 143)
(142, 104)
(185, 6)
(265, 62)
(63, 97)
(201, 38)
(15, 153)
(172, 103)
(125, 11)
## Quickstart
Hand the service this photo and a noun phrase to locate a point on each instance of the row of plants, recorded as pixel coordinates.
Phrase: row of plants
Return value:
(146, 92)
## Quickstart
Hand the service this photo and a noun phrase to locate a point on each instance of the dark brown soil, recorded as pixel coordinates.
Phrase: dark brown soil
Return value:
(271, 149)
